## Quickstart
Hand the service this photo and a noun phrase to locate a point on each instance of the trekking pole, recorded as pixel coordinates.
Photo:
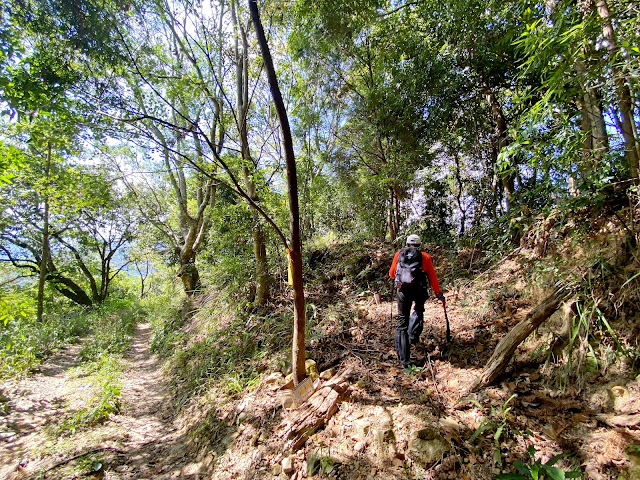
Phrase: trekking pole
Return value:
(391, 303)
(444, 306)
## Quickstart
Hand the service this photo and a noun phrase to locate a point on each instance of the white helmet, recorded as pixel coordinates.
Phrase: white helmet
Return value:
(414, 240)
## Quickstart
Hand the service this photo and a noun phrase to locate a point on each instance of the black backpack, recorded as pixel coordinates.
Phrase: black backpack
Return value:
(409, 267)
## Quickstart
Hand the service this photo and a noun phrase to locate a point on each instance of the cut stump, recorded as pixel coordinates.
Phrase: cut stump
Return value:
(315, 413)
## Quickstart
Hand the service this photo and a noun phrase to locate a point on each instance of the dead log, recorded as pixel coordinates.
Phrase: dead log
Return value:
(316, 412)
(504, 350)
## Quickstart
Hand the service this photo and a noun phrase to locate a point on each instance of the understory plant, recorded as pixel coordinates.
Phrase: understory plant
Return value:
(497, 422)
(105, 372)
(534, 469)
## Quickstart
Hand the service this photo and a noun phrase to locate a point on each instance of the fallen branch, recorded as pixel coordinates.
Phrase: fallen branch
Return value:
(71, 459)
(357, 355)
(441, 398)
(504, 350)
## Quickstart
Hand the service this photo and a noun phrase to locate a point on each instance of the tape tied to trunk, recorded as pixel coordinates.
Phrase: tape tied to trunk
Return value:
(289, 268)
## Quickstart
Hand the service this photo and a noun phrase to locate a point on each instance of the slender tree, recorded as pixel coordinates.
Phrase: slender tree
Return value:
(295, 246)
(45, 237)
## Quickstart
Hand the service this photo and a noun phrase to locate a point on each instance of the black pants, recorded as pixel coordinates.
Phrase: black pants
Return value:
(408, 326)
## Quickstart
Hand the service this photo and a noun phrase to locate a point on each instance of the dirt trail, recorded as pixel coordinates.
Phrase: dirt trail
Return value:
(141, 442)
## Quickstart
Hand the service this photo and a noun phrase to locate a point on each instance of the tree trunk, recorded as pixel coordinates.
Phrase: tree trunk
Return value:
(459, 195)
(562, 337)
(625, 104)
(392, 230)
(298, 349)
(507, 178)
(188, 272)
(258, 237)
(242, 98)
(596, 142)
(504, 350)
(262, 265)
(45, 240)
(396, 218)
(69, 288)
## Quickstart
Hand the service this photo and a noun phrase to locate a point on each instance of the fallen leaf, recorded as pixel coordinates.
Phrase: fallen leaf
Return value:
(579, 418)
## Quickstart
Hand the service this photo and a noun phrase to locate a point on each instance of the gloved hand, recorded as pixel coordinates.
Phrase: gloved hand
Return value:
(440, 297)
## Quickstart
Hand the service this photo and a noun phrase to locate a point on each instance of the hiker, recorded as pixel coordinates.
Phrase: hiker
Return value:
(408, 269)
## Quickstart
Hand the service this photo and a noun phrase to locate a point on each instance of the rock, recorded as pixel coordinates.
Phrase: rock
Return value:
(273, 378)
(384, 444)
(276, 470)
(427, 447)
(287, 465)
(241, 418)
(450, 424)
(311, 369)
(618, 396)
(327, 374)
(594, 474)
(362, 428)
(359, 446)
(191, 470)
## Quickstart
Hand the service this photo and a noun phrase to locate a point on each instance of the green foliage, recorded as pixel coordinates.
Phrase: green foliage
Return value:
(320, 462)
(105, 372)
(113, 324)
(19, 337)
(11, 158)
(14, 307)
(413, 370)
(235, 349)
(26, 343)
(90, 221)
(499, 423)
(534, 469)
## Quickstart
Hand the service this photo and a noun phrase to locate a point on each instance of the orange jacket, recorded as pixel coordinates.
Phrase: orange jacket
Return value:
(427, 267)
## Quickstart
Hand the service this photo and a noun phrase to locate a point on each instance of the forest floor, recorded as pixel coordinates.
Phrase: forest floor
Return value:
(392, 424)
